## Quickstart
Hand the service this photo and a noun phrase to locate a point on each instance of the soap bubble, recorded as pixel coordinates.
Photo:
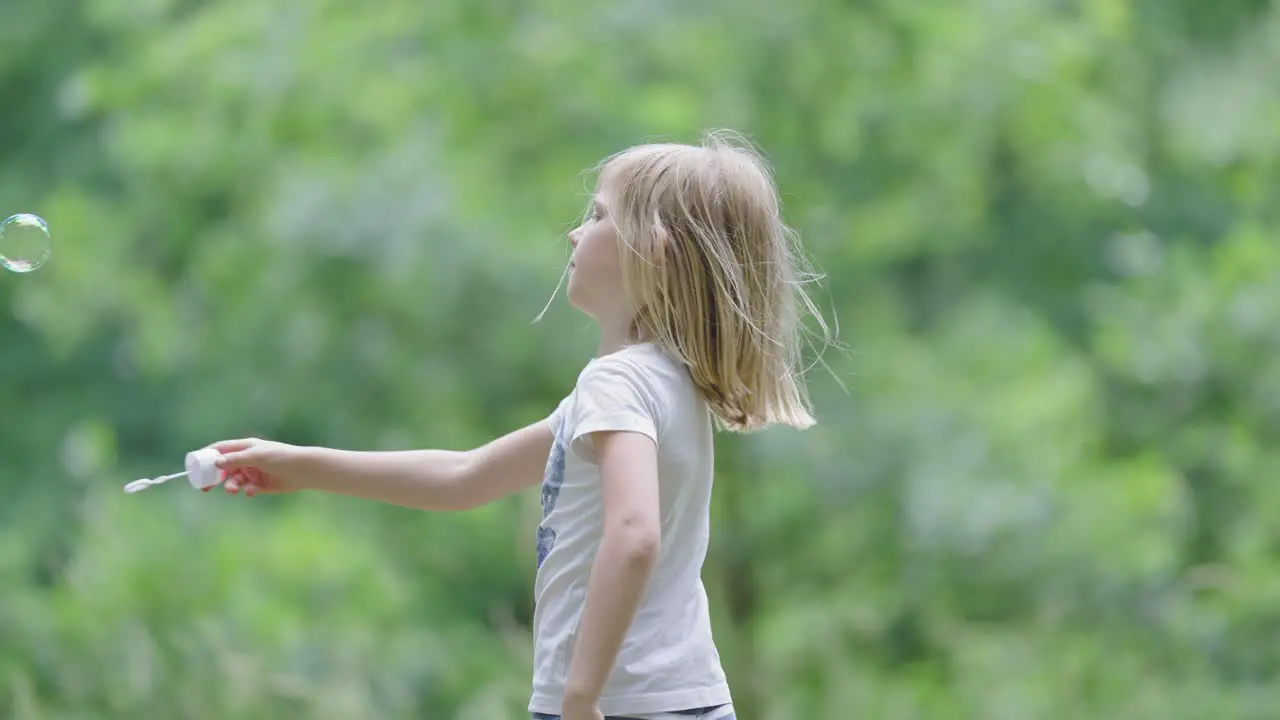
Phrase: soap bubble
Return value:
(25, 244)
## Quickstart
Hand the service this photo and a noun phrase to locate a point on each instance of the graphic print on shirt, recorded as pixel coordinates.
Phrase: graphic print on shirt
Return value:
(552, 479)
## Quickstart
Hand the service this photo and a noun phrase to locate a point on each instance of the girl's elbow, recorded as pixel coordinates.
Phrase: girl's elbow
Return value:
(639, 540)
(647, 547)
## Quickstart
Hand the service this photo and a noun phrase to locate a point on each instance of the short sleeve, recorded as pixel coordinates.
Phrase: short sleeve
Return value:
(556, 418)
(612, 396)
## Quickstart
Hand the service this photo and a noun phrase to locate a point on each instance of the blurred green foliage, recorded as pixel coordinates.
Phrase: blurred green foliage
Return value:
(1051, 238)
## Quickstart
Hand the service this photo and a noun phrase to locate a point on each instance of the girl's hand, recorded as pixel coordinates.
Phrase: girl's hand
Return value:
(260, 466)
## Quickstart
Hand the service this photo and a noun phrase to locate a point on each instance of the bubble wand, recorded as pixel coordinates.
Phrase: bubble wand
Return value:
(201, 471)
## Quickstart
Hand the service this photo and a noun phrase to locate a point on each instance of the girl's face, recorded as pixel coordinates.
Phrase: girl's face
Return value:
(595, 270)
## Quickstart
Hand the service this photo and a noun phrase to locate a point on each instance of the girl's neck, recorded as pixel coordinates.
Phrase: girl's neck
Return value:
(616, 337)
(611, 343)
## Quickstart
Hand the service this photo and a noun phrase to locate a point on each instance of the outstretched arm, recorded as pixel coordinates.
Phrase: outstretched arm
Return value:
(435, 479)
(421, 479)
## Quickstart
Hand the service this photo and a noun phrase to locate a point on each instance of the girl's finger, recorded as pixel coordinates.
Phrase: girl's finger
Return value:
(247, 457)
(225, 447)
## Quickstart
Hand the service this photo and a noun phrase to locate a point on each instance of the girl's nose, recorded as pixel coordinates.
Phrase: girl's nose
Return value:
(573, 238)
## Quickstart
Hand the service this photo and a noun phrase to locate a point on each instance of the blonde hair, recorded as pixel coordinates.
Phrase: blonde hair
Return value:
(714, 273)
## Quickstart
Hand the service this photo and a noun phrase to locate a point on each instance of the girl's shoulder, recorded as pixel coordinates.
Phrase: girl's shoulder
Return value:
(646, 363)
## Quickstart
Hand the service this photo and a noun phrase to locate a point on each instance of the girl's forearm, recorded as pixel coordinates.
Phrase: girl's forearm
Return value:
(420, 479)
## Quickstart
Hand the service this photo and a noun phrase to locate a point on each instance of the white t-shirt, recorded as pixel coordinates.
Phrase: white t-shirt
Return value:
(668, 660)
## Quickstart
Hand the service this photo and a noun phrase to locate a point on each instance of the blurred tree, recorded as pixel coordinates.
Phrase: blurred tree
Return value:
(1049, 235)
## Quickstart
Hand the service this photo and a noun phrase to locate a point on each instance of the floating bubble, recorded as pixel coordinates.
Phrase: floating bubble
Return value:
(25, 244)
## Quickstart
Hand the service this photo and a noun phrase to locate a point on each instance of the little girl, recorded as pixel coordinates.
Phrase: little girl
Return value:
(694, 282)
